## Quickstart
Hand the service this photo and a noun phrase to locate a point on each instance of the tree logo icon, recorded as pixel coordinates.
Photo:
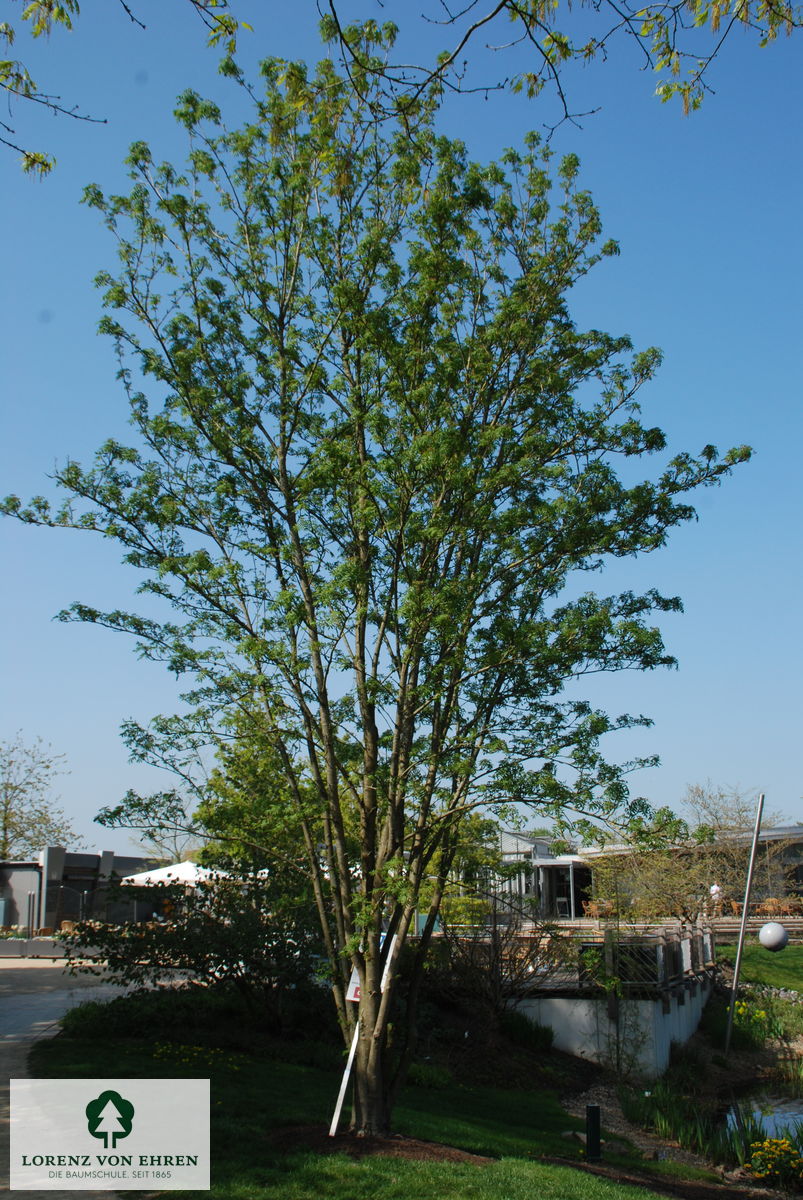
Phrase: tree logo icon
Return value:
(110, 1116)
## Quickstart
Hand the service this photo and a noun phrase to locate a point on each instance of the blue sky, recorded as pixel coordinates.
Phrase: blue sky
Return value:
(706, 210)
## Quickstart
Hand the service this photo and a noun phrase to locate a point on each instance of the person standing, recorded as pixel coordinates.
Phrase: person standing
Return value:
(716, 899)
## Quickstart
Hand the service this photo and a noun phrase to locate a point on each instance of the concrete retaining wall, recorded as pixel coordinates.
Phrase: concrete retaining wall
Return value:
(40, 947)
(639, 1040)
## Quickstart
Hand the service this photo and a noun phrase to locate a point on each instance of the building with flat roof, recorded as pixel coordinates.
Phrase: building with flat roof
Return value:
(64, 885)
(561, 884)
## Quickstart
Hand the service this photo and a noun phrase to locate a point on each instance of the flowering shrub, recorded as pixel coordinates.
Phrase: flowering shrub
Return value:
(749, 1017)
(755, 1023)
(785, 1007)
(776, 1160)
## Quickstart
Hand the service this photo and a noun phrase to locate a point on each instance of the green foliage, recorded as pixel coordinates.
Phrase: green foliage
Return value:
(250, 933)
(674, 1115)
(43, 17)
(173, 1011)
(755, 1022)
(679, 43)
(671, 862)
(491, 962)
(428, 1075)
(520, 1030)
(668, 37)
(789, 1072)
(784, 1011)
(216, 1017)
(761, 1016)
(247, 813)
(746, 1034)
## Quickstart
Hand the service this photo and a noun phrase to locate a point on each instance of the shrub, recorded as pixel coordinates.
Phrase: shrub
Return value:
(217, 1016)
(496, 960)
(754, 1023)
(427, 1075)
(242, 932)
(170, 1011)
(785, 1008)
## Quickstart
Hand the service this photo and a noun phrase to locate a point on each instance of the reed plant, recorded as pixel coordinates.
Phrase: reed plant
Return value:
(675, 1116)
(789, 1073)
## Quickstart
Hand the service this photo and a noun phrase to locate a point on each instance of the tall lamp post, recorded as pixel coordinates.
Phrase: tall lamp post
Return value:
(748, 885)
(81, 899)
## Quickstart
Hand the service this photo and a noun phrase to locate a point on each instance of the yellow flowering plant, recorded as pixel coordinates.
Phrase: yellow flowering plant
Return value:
(776, 1160)
(756, 1025)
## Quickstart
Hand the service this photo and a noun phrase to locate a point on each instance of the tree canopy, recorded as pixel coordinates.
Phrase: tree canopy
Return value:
(679, 40)
(29, 817)
(41, 17)
(373, 461)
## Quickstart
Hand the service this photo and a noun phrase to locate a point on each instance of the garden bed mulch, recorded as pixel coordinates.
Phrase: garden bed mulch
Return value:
(316, 1140)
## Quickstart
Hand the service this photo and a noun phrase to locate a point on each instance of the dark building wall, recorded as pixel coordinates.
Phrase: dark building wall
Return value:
(17, 882)
(69, 886)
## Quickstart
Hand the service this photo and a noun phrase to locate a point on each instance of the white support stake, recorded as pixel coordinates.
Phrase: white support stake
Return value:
(341, 1097)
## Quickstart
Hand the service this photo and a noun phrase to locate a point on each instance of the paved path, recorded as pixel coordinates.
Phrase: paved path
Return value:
(34, 993)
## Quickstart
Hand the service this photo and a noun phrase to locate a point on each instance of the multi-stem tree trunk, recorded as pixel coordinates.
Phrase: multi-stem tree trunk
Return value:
(371, 1112)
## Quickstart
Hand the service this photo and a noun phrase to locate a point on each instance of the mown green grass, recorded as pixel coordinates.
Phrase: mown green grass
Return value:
(783, 969)
(339, 1178)
(253, 1097)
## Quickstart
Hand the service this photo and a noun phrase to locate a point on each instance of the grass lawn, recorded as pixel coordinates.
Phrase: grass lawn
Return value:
(253, 1096)
(783, 969)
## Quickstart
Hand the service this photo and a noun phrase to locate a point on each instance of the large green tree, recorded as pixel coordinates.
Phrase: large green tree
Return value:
(373, 459)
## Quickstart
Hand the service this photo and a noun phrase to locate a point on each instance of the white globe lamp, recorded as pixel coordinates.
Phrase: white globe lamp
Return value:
(773, 936)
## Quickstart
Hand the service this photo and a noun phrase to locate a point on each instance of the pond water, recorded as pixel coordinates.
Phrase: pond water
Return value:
(776, 1113)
